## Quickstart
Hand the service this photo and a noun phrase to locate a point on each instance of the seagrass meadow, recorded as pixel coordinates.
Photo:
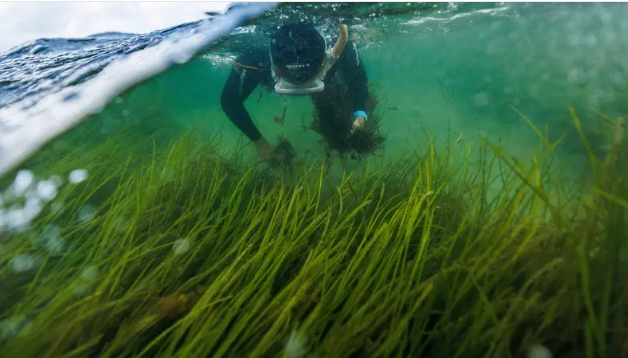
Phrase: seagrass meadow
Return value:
(185, 249)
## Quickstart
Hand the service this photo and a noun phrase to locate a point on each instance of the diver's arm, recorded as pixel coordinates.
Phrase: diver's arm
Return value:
(237, 89)
(352, 69)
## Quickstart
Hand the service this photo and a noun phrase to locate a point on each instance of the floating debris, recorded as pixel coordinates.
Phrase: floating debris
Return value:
(283, 117)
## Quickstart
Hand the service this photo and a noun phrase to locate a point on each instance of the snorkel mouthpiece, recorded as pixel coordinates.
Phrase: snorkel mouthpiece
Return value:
(285, 87)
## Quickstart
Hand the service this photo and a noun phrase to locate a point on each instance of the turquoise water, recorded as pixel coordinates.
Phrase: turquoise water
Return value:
(449, 72)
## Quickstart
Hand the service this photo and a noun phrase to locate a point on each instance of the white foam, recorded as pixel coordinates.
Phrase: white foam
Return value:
(425, 19)
(26, 130)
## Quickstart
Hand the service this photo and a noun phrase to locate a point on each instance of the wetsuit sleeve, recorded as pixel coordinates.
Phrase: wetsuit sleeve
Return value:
(352, 69)
(239, 86)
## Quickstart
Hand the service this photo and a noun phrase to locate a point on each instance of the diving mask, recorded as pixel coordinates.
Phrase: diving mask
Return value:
(316, 84)
(312, 86)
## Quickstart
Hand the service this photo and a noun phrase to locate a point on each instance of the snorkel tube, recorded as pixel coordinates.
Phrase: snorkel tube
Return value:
(341, 42)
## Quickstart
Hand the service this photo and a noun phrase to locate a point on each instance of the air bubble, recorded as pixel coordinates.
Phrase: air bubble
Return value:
(181, 246)
(47, 190)
(55, 245)
(119, 224)
(77, 176)
(51, 231)
(89, 274)
(539, 351)
(57, 180)
(13, 326)
(482, 99)
(86, 213)
(56, 207)
(23, 181)
(573, 75)
(296, 346)
(23, 263)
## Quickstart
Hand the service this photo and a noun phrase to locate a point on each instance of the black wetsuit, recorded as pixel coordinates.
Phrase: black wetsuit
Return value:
(243, 79)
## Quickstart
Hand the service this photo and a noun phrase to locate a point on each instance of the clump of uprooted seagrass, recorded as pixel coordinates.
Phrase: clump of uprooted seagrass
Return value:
(191, 256)
(284, 155)
(333, 119)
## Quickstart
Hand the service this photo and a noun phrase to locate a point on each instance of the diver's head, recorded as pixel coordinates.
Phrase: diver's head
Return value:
(298, 52)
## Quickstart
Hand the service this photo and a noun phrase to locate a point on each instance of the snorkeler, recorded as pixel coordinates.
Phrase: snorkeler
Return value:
(297, 61)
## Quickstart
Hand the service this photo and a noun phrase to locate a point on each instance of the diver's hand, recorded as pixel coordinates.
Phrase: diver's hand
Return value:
(358, 122)
(264, 149)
